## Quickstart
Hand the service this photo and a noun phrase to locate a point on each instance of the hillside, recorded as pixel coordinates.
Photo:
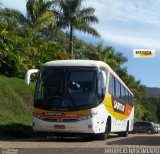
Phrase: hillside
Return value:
(153, 92)
(16, 106)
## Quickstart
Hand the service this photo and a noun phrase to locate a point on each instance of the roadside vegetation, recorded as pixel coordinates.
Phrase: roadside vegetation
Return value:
(16, 107)
(47, 32)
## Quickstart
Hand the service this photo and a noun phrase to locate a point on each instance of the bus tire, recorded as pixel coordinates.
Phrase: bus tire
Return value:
(124, 134)
(104, 136)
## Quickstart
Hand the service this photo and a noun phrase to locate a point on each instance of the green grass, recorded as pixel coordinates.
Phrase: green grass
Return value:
(16, 100)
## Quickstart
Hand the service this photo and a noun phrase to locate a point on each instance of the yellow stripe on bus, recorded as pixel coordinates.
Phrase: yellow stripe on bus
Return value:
(109, 107)
(82, 112)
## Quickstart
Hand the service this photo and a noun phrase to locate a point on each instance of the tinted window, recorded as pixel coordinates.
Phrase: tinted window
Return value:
(147, 124)
(118, 90)
(142, 124)
(130, 99)
(112, 85)
(126, 96)
(65, 88)
(137, 124)
(122, 93)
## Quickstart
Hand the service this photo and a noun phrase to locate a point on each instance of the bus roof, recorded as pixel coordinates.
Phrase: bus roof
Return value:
(85, 63)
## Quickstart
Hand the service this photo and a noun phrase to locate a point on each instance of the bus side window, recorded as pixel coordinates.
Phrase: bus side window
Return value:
(126, 97)
(122, 93)
(112, 85)
(118, 90)
(130, 99)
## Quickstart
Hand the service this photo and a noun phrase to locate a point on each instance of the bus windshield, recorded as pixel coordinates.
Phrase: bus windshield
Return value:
(66, 89)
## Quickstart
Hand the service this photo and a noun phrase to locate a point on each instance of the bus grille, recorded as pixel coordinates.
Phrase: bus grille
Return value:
(61, 120)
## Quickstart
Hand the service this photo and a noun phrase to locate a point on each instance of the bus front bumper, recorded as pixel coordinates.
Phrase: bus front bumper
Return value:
(88, 126)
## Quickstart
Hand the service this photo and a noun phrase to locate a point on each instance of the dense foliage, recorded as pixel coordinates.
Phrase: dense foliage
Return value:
(27, 41)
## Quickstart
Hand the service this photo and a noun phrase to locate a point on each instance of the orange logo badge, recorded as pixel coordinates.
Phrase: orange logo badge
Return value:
(144, 53)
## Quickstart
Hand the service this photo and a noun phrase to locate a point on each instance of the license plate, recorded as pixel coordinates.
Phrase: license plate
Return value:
(59, 126)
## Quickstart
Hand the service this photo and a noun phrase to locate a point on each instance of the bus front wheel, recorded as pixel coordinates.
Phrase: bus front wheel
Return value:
(124, 134)
(104, 136)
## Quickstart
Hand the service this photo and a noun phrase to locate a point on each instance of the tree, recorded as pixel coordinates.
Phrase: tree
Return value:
(112, 58)
(11, 45)
(76, 17)
(19, 52)
(106, 54)
(39, 14)
(158, 112)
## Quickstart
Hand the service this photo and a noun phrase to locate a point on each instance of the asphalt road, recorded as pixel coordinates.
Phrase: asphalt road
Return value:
(78, 145)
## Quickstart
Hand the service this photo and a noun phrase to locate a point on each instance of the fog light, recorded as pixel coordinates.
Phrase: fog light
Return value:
(90, 126)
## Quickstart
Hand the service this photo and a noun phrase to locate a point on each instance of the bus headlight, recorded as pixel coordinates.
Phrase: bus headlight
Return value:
(89, 116)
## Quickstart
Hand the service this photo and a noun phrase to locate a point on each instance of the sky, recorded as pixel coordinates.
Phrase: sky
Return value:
(125, 25)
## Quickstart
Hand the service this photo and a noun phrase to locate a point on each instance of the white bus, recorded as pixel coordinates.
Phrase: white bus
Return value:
(81, 96)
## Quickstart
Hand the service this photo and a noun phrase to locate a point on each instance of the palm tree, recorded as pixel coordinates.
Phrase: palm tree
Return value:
(38, 16)
(106, 54)
(75, 17)
(39, 13)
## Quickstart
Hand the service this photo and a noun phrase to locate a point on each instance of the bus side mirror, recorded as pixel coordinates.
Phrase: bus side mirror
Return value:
(28, 75)
(102, 77)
